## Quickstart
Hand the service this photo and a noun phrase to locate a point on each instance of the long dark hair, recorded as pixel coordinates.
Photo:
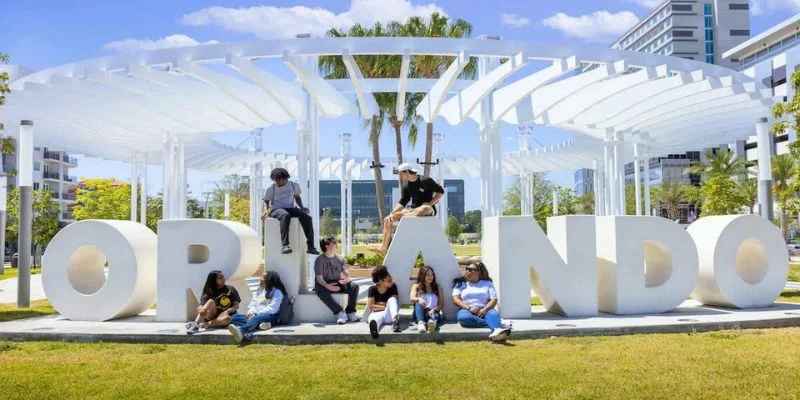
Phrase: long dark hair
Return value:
(423, 271)
(210, 288)
(483, 275)
(272, 281)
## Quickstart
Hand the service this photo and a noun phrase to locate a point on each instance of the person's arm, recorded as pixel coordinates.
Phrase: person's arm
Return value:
(265, 212)
(436, 198)
(397, 208)
(297, 198)
(373, 306)
(460, 304)
(251, 309)
(233, 308)
(405, 197)
(492, 301)
(440, 303)
(275, 302)
(413, 294)
(345, 275)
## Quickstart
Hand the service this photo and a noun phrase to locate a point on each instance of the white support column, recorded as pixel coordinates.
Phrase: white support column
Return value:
(143, 192)
(254, 216)
(555, 202)
(350, 220)
(24, 238)
(619, 169)
(3, 214)
(491, 150)
(167, 188)
(313, 169)
(227, 206)
(608, 158)
(438, 154)
(637, 178)
(134, 185)
(764, 139)
(646, 158)
(597, 187)
(181, 177)
(345, 216)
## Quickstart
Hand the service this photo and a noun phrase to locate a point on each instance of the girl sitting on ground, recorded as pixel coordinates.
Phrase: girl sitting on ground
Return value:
(382, 302)
(425, 295)
(476, 298)
(264, 308)
(217, 304)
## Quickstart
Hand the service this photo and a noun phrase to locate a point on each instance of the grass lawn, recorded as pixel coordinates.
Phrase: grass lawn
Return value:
(794, 272)
(459, 250)
(9, 273)
(10, 312)
(719, 365)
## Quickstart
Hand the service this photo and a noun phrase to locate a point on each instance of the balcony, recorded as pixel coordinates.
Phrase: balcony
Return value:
(70, 160)
(64, 196)
(52, 155)
(50, 175)
(69, 178)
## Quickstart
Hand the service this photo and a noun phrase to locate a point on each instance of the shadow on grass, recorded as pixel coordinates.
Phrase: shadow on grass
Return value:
(41, 308)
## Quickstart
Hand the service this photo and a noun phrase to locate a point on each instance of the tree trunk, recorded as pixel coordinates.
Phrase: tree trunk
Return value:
(376, 157)
(782, 217)
(428, 148)
(398, 143)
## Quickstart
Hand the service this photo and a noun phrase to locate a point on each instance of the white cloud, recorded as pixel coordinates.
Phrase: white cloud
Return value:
(597, 27)
(514, 20)
(647, 3)
(760, 7)
(268, 22)
(134, 45)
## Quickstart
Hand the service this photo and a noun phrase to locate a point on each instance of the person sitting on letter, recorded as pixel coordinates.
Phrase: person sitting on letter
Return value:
(382, 302)
(264, 308)
(422, 191)
(281, 196)
(331, 276)
(476, 298)
(426, 295)
(218, 302)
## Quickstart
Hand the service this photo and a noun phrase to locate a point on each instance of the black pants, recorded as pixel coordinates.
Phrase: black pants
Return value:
(351, 289)
(285, 215)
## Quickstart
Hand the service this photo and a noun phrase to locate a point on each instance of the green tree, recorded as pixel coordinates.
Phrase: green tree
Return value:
(720, 196)
(472, 220)
(240, 209)
(719, 162)
(102, 199)
(748, 189)
(671, 195)
(45, 217)
(567, 202)
(327, 225)
(783, 172)
(584, 204)
(453, 228)
(787, 115)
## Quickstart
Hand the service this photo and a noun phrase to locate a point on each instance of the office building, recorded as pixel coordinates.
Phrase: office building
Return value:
(366, 208)
(584, 181)
(700, 30)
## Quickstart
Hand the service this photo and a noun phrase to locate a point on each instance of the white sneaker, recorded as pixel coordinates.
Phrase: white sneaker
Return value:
(353, 317)
(421, 326)
(264, 326)
(236, 332)
(506, 324)
(499, 335)
(341, 318)
(431, 326)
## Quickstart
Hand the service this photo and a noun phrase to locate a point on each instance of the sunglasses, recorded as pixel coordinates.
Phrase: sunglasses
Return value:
(470, 269)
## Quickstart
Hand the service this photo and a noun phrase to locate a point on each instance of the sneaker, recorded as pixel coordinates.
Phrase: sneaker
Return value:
(353, 317)
(506, 324)
(373, 329)
(341, 318)
(286, 250)
(236, 332)
(312, 251)
(192, 327)
(499, 335)
(421, 326)
(396, 325)
(431, 326)
(264, 326)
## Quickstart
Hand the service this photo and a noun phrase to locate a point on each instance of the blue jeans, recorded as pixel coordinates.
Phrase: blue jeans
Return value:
(419, 314)
(470, 320)
(248, 326)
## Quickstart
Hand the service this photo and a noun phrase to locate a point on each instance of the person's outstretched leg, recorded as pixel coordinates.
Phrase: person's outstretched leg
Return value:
(325, 295)
(419, 312)
(308, 228)
(352, 297)
(284, 218)
(470, 320)
(492, 318)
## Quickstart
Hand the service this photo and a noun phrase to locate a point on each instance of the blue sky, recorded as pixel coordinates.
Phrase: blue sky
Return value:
(45, 33)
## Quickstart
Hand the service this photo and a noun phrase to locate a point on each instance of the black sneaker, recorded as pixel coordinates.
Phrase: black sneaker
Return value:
(192, 327)
(396, 325)
(312, 251)
(373, 329)
(286, 250)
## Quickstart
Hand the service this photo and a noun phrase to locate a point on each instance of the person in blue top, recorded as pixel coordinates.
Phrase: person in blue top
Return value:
(476, 298)
(262, 313)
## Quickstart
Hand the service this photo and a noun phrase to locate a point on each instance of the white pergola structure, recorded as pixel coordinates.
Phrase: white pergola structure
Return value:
(166, 106)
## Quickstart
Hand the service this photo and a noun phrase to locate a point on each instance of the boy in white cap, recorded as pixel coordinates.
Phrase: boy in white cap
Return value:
(422, 191)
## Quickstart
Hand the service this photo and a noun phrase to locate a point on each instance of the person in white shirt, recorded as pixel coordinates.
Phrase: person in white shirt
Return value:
(262, 313)
(425, 295)
(476, 298)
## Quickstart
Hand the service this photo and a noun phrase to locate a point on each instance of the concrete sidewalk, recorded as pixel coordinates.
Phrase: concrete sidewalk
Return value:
(8, 289)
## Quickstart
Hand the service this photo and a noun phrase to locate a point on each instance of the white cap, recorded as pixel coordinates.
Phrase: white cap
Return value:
(406, 167)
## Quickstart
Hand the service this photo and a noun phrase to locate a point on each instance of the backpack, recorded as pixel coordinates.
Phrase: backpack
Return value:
(286, 310)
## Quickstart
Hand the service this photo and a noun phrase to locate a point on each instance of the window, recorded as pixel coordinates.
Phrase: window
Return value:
(738, 6)
(35, 185)
(682, 33)
(709, 35)
(707, 8)
(779, 76)
(710, 58)
(681, 7)
(740, 32)
(37, 166)
(709, 48)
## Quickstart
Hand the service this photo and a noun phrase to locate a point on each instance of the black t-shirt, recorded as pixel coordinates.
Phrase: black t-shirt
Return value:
(382, 298)
(224, 298)
(420, 191)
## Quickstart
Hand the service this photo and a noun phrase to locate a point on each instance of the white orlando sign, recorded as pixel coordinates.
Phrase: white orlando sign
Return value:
(582, 266)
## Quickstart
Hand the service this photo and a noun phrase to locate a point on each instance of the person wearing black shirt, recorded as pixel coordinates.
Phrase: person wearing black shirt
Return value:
(382, 302)
(217, 304)
(422, 191)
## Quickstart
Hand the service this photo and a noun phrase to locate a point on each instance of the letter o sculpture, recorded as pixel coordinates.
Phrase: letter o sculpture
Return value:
(73, 275)
(743, 261)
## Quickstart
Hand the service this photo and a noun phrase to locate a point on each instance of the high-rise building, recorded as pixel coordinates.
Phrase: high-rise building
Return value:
(584, 181)
(700, 30)
(366, 208)
(50, 171)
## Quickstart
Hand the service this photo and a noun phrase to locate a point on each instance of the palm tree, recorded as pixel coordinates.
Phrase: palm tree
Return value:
(432, 67)
(672, 194)
(748, 188)
(719, 162)
(783, 170)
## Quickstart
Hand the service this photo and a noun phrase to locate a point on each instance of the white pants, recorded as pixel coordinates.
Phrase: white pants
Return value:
(386, 316)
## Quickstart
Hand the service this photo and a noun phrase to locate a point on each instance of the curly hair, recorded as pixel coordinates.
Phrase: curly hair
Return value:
(279, 173)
